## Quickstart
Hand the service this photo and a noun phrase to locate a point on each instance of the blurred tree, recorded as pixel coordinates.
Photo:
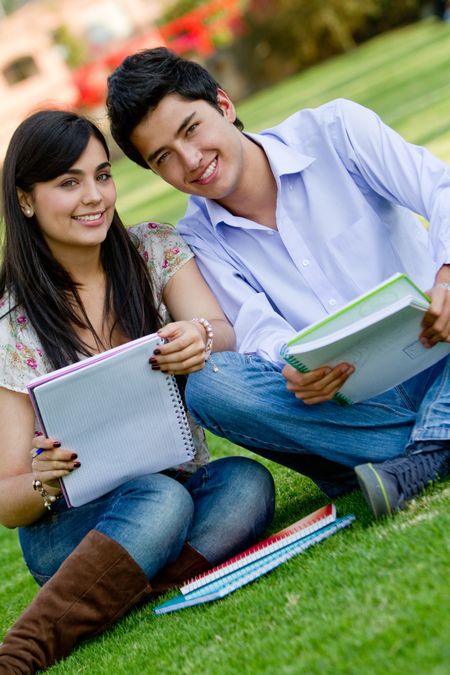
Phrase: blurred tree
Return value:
(285, 36)
(74, 50)
(9, 6)
(180, 7)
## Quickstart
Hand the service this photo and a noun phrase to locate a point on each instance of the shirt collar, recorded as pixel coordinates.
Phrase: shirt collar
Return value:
(283, 160)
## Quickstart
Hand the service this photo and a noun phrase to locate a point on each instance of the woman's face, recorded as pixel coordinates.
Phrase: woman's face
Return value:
(75, 210)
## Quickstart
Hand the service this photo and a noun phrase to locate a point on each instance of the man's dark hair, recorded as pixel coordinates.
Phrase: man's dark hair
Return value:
(140, 83)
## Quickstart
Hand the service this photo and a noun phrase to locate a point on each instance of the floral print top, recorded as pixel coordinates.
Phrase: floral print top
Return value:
(22, 357)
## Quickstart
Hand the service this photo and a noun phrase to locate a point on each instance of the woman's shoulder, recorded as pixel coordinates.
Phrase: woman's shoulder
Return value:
(21, 355)
(153, 235)
(162, 248)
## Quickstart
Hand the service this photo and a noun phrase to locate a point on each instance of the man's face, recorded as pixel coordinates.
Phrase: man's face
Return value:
(193, 146)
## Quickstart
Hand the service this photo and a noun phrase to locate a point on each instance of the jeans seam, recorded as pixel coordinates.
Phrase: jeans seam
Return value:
(409, 404)
(255, 443)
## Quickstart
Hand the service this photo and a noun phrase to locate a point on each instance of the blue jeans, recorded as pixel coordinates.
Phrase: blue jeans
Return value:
(223, 508)
(246, 401)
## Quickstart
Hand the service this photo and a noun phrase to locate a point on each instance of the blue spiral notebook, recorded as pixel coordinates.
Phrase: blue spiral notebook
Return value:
(258, 560)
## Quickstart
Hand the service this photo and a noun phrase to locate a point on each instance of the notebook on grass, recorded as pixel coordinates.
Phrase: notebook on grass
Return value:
(122, 418)
(378, 333)
(258, 560)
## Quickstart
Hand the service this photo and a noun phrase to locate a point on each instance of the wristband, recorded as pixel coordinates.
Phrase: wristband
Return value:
(209, 334)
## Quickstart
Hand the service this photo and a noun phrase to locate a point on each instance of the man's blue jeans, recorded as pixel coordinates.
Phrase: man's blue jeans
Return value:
(222, 509)
(246, 401)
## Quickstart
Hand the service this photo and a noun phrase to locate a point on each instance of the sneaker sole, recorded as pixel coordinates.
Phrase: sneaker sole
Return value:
(373, 490)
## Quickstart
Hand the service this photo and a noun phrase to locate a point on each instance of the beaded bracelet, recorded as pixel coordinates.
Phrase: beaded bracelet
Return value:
(443, 284)
(209, 334)
(49, 500)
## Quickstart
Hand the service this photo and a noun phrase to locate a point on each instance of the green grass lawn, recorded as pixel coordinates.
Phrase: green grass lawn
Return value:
(374, 598)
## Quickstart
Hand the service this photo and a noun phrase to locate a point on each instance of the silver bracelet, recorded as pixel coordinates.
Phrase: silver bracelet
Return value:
(49, 500)
(443, 284)
(209, 334)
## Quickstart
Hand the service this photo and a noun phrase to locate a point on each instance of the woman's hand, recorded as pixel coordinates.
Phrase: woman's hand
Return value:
(50, 462)
(319, 385)
(185, 351)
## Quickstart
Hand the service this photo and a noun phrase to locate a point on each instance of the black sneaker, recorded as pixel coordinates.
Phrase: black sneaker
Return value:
(387, 486)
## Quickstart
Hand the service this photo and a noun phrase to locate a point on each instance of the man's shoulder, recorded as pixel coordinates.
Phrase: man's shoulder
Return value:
(311, 119)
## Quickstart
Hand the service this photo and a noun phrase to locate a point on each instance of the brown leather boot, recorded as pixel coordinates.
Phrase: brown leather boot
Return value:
(96, 585)
(189, 563)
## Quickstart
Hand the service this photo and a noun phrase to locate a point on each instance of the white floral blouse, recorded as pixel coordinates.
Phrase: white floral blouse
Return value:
(22, 357)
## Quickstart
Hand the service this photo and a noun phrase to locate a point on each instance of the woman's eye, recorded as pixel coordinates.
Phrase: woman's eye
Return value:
(103, 177)
(70, 182)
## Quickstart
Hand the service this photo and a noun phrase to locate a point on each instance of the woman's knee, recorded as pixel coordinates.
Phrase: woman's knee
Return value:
(249, 484)
(158, 492)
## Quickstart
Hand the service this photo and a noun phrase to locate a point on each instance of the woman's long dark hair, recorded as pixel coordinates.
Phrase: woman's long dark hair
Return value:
(44, 147)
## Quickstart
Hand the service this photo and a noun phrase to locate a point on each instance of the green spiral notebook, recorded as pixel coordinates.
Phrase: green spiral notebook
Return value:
(378, 333)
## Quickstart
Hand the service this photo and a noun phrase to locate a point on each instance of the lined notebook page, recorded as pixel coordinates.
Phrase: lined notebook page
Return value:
(122, 418)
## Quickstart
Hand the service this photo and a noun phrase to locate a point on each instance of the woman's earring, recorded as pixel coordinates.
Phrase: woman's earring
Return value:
(28, 212)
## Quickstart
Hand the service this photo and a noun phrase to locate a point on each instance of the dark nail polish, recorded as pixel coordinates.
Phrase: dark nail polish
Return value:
(156, 352)
(73, 455)
(154, 367)
(76, 464)
(152, 360)
(56, 444)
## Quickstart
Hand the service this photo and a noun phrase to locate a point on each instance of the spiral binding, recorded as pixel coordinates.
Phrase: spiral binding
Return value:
(182, 419)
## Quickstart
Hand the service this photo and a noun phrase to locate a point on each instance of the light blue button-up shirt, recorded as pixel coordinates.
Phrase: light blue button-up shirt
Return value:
(348, 189)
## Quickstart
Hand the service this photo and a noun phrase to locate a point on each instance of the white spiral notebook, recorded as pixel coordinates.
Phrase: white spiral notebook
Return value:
(122, 418)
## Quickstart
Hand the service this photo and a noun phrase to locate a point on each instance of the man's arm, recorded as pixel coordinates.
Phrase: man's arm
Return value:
(259, 328)
(401, 172)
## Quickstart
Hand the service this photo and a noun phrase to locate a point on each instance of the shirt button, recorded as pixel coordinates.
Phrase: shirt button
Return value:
(332, 301)
(305, 262)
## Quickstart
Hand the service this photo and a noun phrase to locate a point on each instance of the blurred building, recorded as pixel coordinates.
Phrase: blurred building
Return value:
(39, 40)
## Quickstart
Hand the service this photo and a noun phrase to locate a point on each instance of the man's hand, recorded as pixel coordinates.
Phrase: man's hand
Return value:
(318, 385)
(436, 322)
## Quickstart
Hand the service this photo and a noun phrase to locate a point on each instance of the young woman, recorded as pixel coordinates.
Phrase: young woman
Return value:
(75, 282)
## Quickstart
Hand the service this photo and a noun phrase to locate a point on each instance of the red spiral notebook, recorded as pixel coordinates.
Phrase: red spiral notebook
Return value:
(258, 559)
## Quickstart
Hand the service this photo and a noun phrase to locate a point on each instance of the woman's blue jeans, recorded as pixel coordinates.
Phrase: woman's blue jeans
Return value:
(223, 508)
(246, 401)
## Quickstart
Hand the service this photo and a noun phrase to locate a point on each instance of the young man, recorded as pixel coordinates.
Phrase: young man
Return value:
(287, 226)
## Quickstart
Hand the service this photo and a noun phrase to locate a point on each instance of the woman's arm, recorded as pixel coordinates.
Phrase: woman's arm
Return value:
(186, 295)
(20, 505)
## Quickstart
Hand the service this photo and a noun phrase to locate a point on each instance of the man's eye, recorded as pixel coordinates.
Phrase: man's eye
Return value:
(162, 158)
(192, 128)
